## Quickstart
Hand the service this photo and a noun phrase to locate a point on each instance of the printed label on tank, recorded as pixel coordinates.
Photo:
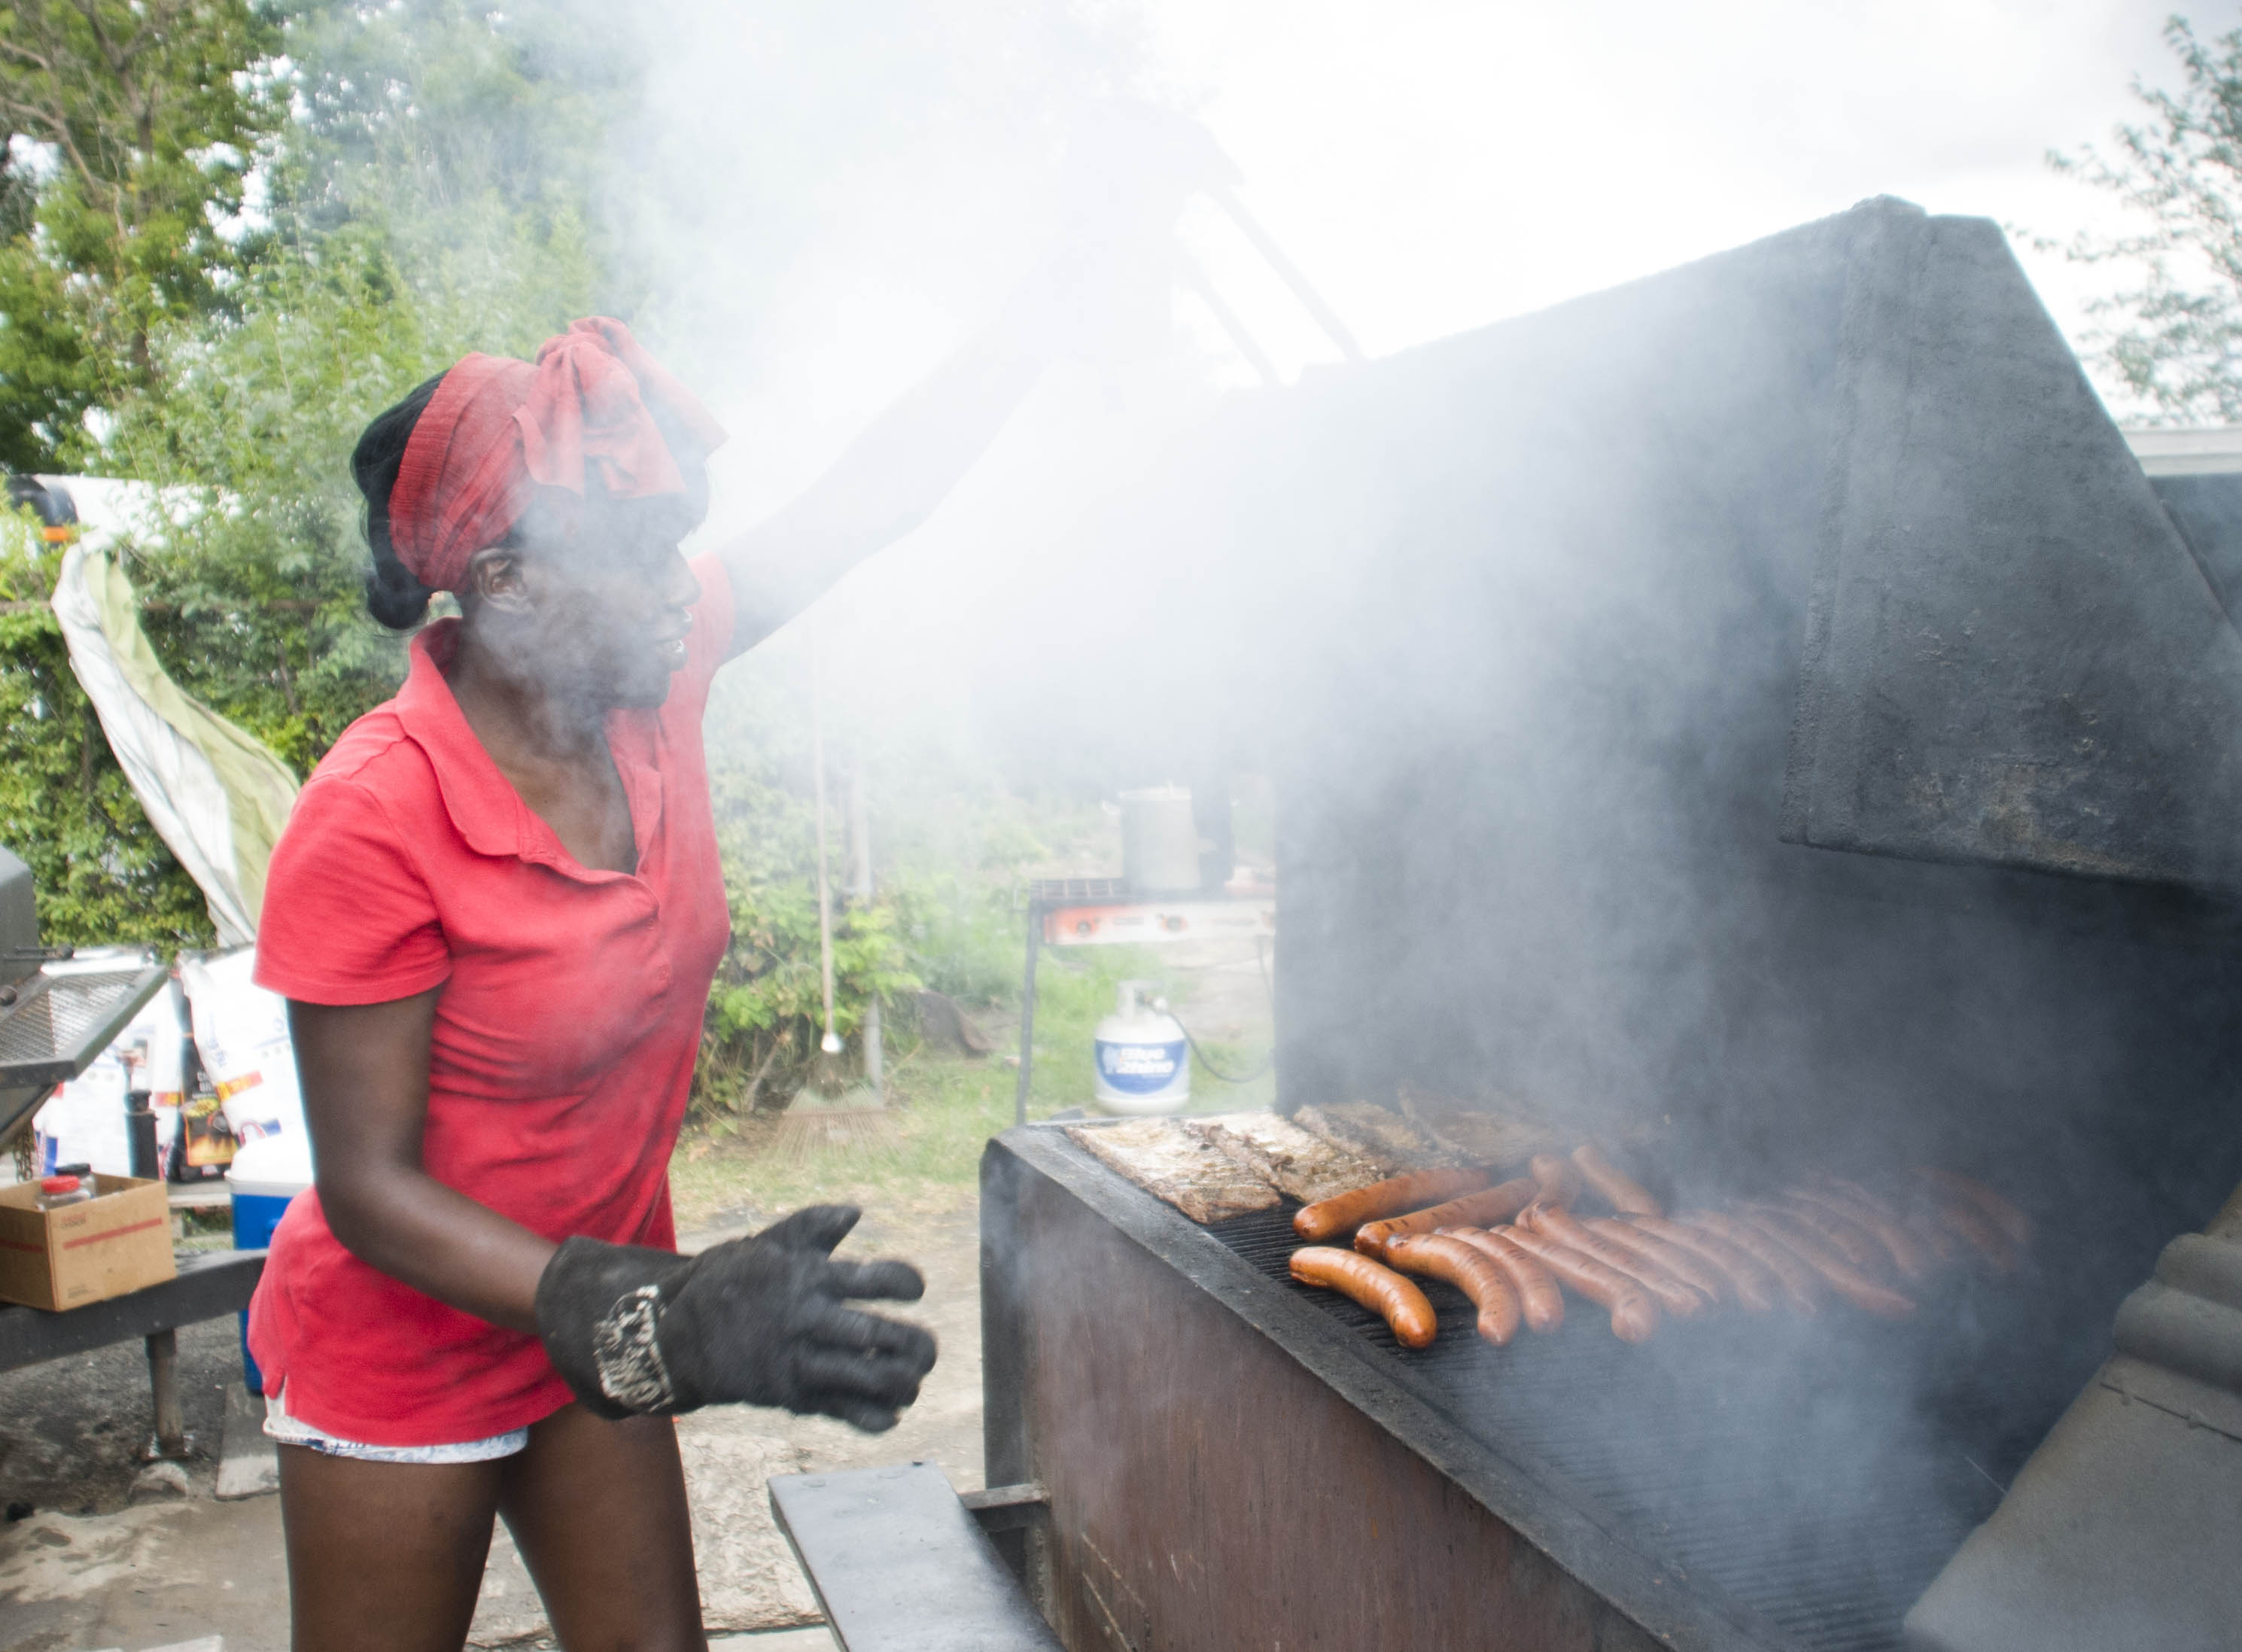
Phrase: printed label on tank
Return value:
(1139, 1069)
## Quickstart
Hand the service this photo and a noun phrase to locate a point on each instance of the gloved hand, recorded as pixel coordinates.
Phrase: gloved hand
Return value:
(760, 1320)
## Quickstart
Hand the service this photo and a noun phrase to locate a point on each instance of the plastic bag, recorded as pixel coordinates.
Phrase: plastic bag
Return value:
(241, 1033)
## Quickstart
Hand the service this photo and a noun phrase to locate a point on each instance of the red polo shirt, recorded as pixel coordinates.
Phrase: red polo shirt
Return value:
(564, 1038)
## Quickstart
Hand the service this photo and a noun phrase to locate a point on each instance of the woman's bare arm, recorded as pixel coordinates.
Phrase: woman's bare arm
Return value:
(885, 484)
(364, 1069)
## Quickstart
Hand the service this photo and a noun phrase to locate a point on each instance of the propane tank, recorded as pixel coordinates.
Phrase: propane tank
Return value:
(1144, 1061)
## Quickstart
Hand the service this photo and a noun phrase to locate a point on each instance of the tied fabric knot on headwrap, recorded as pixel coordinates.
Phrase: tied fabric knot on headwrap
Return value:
(593, 405)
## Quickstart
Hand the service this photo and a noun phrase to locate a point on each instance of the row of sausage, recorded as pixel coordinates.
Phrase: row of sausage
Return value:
(1516, 1248)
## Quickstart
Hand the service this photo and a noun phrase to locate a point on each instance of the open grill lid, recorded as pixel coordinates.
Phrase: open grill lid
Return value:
(2012, 657)
(2004, 652)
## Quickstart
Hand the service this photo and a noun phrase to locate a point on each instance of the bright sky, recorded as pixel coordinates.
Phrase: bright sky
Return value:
(1432, 166)
(1435, 165)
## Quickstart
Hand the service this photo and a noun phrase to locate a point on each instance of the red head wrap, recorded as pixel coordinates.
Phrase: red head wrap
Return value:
(497, 429)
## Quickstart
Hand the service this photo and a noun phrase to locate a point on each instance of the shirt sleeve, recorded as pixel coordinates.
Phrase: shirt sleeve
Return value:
(348, 917)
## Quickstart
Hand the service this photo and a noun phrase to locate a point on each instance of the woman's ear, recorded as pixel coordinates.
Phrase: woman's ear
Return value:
(494, 575)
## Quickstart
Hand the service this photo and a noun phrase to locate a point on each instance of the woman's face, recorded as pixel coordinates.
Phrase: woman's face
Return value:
(599, 616)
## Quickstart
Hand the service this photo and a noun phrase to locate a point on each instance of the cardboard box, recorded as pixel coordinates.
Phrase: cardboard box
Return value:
(120, 1240)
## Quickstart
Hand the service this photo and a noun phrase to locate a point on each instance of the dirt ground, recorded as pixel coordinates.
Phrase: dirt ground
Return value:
(83, 1567)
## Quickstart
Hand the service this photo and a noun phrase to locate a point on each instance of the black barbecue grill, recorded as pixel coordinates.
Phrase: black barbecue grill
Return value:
(69, 1011)
(59, 1007)
(1578, 645)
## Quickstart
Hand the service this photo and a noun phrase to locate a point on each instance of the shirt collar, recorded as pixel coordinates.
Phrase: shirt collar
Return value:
(483, 805)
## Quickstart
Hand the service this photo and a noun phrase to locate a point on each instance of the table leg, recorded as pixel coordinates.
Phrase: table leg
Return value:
(164, 1378)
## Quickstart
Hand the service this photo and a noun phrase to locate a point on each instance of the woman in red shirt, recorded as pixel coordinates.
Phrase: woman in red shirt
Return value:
(495, 914)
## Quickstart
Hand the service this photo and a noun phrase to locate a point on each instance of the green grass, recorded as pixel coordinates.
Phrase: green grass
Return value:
(945, 1107)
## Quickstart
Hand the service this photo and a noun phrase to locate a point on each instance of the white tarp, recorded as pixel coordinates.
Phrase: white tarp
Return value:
(217, 796)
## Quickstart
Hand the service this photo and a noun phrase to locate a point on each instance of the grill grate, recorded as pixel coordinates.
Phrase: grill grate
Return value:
(1817, 1473)
(67, 1013)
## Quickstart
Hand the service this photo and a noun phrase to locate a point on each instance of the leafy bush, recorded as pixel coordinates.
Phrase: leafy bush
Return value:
(765, 1010)
(102, 875)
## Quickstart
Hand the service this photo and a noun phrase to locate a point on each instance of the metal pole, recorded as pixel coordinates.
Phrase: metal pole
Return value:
(860, 832)
(1028, 1012)
(164, 1379)
(1195, 279)
(832, 1045)
(1311, 300)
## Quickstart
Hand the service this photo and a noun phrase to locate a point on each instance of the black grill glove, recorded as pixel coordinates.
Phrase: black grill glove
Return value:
(762, 1320)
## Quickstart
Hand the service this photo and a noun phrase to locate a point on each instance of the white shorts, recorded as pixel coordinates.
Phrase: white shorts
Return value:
(294, 1430)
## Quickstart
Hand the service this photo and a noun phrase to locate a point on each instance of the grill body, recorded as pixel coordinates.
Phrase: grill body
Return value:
(1235, 1460)
(1230, 1468)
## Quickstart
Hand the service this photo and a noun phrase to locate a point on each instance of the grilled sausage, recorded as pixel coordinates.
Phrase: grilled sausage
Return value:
(1754, 1286)
(1801, 1288)
(1437, 1257)
(1634, 1315)
(1374, 1286)
(1497, 1203)
(1618, 1189)
(1840, 1233)
(1336, 1218)
(1842, 1277)
(1566, 1229)
(1908, 1254)
(1536, 1286)
(1670, 1259)
(2012, 1222)
(1927, 1233)
(1958, 1216)
(1555, 1181)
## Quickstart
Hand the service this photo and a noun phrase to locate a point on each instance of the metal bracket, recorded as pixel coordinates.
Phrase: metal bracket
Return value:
(1009, 1508)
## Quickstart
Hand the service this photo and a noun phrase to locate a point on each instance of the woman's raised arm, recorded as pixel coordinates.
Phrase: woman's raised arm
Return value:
(885, 484)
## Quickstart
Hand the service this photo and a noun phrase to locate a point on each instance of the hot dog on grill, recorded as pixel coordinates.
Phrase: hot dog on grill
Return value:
(1566, 1229)
(1489, 1205)
(1336, 1218)
(1846, 1280)
(1633, 1314)
(1925, 1231)
(1800, 1288)
(1374, 1286)
(1621, 1191)
(1838, 1232)
(1754, 1287)
(1437, 1257)
(2012, 1222)
(1908, 1254)
(1537, 1289)
(1671, 1260)
(1555, 1181)
(1958, 1216)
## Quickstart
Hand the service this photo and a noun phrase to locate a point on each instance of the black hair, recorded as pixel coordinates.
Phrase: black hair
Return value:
(392, 596)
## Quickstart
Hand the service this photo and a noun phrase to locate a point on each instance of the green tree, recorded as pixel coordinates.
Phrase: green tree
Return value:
(2174, 338)
(389, 244)
(142, 116)
(428, 200)
(102, 874)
